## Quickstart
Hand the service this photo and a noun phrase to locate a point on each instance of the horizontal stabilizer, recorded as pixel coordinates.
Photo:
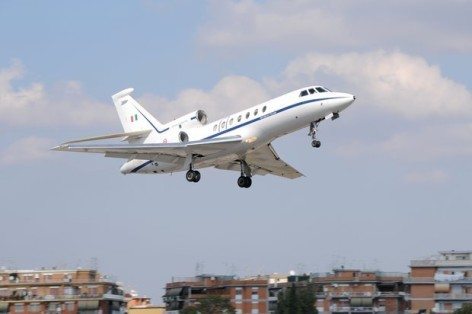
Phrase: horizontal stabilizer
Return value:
(126, 136)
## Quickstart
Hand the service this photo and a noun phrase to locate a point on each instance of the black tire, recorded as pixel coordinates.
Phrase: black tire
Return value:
(248, 182)
(316, 143)
(242, 182)
(197, 176)
(190, 175)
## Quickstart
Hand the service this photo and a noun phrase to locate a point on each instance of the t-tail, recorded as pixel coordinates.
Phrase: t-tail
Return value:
(133, 117)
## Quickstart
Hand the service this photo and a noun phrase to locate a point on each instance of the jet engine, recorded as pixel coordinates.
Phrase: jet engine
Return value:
(191, 120)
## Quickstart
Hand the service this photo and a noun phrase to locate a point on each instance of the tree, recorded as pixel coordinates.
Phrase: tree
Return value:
(465, 309)
(297, 300)
(212, 304)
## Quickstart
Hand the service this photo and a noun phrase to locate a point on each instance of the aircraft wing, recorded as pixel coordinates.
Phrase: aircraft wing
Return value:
(150, 151)
(262, 161)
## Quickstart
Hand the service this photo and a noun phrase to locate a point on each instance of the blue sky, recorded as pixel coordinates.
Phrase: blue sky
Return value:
(390, 183)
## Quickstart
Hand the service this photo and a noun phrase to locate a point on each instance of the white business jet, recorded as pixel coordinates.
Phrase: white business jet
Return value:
(239, 142)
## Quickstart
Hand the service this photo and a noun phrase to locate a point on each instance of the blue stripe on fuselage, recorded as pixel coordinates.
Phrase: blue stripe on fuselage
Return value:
(151, 122)
(268, 115)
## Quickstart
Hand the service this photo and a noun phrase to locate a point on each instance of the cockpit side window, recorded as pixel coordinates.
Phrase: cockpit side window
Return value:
(311, 90)
(321, 90)
(303, 93)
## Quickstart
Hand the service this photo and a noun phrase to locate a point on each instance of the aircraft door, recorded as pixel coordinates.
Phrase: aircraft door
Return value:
(223, 125)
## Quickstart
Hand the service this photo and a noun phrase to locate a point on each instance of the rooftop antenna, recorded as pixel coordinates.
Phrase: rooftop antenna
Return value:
(199, 268)
(94, 263)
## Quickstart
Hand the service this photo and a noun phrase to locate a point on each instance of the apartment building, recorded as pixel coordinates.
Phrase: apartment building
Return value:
(441, 283)
(356, 291)
(59, 291)
(247, 295)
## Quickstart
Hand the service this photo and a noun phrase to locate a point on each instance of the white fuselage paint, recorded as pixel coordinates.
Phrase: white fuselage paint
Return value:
(283, 115)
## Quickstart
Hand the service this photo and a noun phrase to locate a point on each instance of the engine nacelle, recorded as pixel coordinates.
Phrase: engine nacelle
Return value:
(193, 119)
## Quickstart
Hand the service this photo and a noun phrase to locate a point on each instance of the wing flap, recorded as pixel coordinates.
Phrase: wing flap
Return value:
(265, 160)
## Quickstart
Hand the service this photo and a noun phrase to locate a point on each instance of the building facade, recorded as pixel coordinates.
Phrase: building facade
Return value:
(59, 291)
(356, 291)
(442, 283)
(248, 295)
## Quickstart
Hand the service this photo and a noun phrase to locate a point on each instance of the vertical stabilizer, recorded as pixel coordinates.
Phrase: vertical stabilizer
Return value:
(132, 115)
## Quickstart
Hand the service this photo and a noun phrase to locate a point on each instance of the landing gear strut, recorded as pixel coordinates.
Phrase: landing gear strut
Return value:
(193, 175)
(245, 181)
(313, 130)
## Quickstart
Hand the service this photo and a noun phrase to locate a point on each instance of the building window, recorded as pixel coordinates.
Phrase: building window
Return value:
(34, 307)
(239, 295)
(19, 308)
(70, 306)
(255, 295)
(254, 311)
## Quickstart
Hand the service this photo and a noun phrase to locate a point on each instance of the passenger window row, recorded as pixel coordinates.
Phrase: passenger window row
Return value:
(231, 120)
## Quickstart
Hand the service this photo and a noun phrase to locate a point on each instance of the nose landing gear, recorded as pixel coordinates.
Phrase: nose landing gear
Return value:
(245, 181)
(313, 130)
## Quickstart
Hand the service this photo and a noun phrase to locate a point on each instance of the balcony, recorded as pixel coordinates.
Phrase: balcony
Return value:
(441, 263)
(66, 297)
(431, 280)
(453, 296)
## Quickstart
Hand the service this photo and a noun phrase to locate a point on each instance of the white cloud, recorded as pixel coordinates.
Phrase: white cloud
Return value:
(305, 25)
(27, 149)
(419, 145)
(33, 105)
(395, 82)
(432, 176)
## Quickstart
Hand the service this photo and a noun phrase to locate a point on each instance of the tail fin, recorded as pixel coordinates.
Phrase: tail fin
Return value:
(133, 117)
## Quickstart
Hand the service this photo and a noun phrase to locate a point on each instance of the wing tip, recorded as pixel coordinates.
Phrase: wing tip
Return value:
(61, 147)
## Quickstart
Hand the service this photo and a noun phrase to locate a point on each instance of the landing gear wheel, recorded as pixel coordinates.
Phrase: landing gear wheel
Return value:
(197, 176)
(190, 176)
(316, 143)
(244, 182)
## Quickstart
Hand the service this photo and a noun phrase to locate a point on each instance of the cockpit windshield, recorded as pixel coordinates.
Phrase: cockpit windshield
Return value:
(313, 90)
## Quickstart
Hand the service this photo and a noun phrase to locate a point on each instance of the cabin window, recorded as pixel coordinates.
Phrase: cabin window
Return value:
(239, 118)
(312, 90)
(255, 112)
(247, 115)
(321, 90)
(264, 109)
(223, 125)
(231, 121)
(303, 93)
(215, 127)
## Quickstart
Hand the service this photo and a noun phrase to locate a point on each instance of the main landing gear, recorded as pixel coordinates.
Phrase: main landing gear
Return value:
(193, 175)
(245, 181)
(313, 130)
